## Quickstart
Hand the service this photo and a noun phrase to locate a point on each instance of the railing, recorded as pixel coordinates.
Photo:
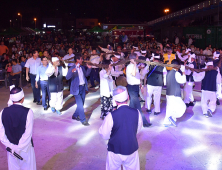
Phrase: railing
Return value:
(202, 5)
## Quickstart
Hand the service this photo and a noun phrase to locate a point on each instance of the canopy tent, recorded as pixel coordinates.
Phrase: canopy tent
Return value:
(96, 29)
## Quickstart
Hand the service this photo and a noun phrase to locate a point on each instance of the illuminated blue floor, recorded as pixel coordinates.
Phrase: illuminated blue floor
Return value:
(64, 144)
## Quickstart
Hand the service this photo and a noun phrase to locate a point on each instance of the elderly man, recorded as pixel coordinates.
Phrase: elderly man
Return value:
(175, 107)
(16, 70)
(122, 144)
(16, 125)
(55, 73)
(133, 80)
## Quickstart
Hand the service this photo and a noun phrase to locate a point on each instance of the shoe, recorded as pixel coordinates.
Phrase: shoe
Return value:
(34, 101)
(206, 115)
(46, 108)
(187, 104)
(147, 124)
(76, 118)
(172, 121)
(92, 86)
(53, 109)
(149, 111)
(39, 103)
(218, 102)
(58, 112)
(209, 113)
(156, 113)
(142, 100)
(85, 123)
(191, 104)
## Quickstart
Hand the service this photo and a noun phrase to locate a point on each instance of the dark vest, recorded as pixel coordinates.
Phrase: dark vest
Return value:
(156, 77)
(14, 121)
(209, 82)
(123, 135)
(55, 83)
(190, 77)
(173, 87)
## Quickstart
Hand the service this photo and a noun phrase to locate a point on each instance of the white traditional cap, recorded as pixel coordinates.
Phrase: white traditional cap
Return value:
(216, 55)
(210, 63)
(155, 56)
(187, 50)
(15, 97)
(117, 55)
(143, 51)
(55, 59)
(191, 56)
(121, 97)
(136, 48)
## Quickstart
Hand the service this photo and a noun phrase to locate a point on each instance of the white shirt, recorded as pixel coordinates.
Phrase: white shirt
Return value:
(106, 83)
(116, 70)
(25, 140)
(181, 79)
(180, 57)
(80, 73)
(106, 127)
(132, 80)
(33, 65)
(207, 52)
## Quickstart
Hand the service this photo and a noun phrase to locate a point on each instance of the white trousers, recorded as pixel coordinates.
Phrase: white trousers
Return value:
(56, 100)
(219, 95)
(208, 101)
(29, 162)
(129, 162)
(175, 107)
(188, 92)
(156, 92)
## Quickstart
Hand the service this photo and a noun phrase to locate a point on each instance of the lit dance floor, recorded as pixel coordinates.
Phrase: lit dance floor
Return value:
(65, 144)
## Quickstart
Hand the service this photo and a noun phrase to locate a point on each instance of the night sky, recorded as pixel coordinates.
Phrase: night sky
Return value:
(141, 10)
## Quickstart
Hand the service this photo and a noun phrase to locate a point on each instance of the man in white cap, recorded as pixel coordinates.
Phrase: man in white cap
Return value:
(120, 128)
(185, 56)
(16, 125)
(116, 71)
(109, 49)
(216, 60)
(209, 88)
(175, 107)
(188, 87)
(156, 78)
(55, 72)
(133, 80)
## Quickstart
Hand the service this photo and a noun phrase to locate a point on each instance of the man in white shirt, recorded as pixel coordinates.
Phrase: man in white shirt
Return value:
(16, 126)
(207, 51)
(32, 65)
(123, 145)
(175, 107)
(133, 80)
(94, 74)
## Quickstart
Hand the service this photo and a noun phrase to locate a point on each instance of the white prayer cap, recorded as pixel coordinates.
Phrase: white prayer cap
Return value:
(117, 55)
(143, 51)
(216, 55)
(193, 56)
(55, 59)
(122, 96)
(155, 56)
(15, 97)
(210, 63)
(136, 48)
(187, 50)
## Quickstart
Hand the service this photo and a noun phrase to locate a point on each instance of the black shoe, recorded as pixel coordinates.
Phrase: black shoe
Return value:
(147, 124)
(76, 118)
(39, 103)
(191, 104)
(187, 104)
(85, 123)
(34, 101)
(46, 108)
(149, 111)
(156, 113)
(142, 100)
(92, 86)
(218, 102)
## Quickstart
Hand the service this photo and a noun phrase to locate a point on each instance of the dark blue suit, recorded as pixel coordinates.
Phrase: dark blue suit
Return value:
(78, 90)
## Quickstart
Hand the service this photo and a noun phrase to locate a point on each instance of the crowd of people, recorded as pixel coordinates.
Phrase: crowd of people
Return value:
(48, 65)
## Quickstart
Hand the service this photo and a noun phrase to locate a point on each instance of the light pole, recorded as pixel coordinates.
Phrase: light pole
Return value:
(166, 11)
(19, 14)
(35, 22)
(10, 22)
